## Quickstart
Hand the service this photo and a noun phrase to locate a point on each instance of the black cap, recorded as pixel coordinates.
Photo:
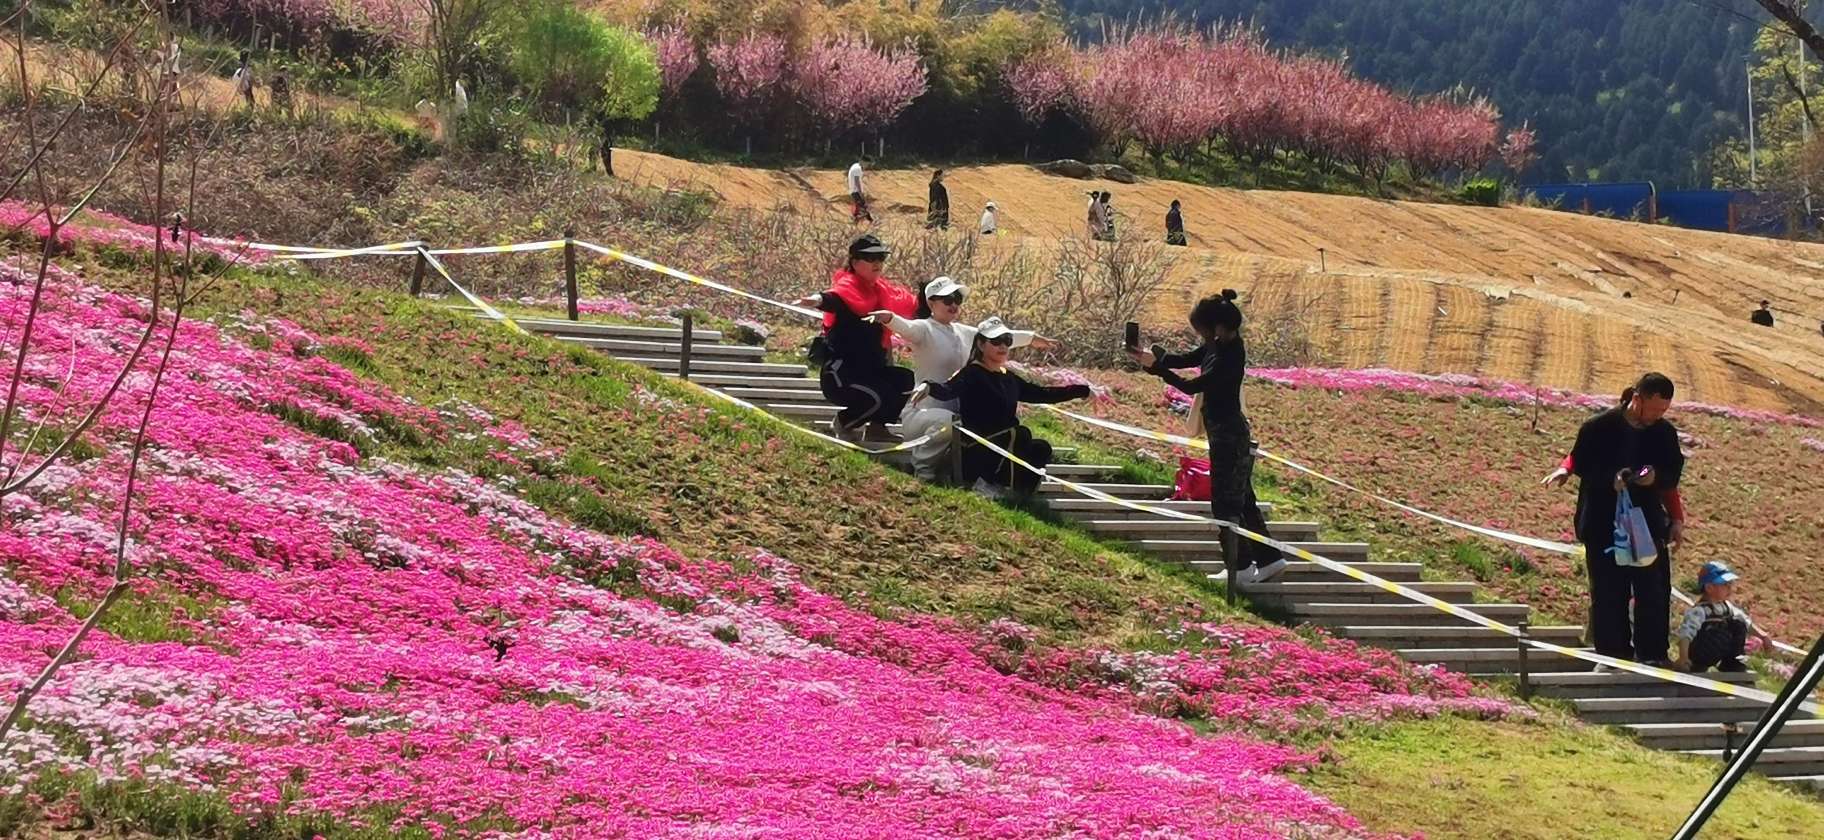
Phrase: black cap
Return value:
(870, 245)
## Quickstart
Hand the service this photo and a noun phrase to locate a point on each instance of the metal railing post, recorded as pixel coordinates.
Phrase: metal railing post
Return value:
(418, 267)
(570, 273)
(1526, 677)
(1730, 731)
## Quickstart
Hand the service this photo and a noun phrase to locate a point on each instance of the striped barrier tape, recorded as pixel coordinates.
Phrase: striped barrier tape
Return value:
(1518, 539)
(898, 447)
(687, 277)
(545, 245)
(473, 299)
(1403, 591)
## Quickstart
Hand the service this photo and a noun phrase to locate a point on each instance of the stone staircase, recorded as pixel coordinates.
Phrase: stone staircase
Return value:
(1662, 715)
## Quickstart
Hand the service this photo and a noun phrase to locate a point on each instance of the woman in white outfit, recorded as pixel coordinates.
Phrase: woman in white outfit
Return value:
(940, 348)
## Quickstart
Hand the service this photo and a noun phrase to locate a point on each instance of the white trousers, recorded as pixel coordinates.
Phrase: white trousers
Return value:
(928, 457)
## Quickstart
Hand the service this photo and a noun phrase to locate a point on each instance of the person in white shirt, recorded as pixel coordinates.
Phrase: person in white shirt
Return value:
(856, 195)
(1094, 218)
(940, 347)
(988, 220)
(243, 78)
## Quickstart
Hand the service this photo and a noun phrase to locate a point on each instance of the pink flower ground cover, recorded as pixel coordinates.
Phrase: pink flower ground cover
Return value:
(94, 227)
(350, 635)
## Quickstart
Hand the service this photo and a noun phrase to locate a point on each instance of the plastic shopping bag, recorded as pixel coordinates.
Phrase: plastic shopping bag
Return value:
(1633, 540)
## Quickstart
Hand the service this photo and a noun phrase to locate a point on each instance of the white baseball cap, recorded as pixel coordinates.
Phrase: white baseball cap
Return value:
(944, 286)
(992, 328)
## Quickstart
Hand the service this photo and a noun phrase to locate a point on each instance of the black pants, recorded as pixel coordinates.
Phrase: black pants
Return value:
(860, 210)
(1175, 237)
(1720, 644)
(1232, 493)
(867, 395)
(981, 462)
(1610, 588)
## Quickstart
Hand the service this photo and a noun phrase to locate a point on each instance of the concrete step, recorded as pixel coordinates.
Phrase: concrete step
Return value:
(663, 349)
(1461, 636)
(1407, 614)
(1488, 660)
(1623, 684)
(800, 410)
(1098, 509)
(1354, 592)
(729, 382)
(1081, 472)
(1301, 570)
(1710, 736)
(1139, 528)
(801, 391)
(670, 365)
(1713, 708)
(1811, 783)
(1783, 761)
(1341, 552)
(591, 329)
(1139, 492)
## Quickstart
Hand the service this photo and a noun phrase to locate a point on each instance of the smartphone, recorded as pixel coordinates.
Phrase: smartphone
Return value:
(1133, 335)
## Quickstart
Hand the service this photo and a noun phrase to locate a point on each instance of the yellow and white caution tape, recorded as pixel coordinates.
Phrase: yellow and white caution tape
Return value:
(898, 447)
(296, 252)
(1403, 591)
(692, 278)
(546, 245)
(1506, 536)
(473, 299)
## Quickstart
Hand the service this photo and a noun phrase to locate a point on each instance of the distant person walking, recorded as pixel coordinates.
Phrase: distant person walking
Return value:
(281, 92)
(937, 204)
(1092, 221)
(989, 223)
(1222, 362)
(606, 150)
(857, 195)
(858, 373)
(940, 347)
(1174, 225)
(987, 399)
(1631, 448)
(243, 79)
(1107, 227)
(1763, 315)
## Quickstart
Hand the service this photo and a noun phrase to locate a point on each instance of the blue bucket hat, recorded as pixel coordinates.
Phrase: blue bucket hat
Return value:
(1715, 572)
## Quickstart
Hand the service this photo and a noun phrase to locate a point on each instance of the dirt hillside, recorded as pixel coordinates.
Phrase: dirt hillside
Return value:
(1515, 293)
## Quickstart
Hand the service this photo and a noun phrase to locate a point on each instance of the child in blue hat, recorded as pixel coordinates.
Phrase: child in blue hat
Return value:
(1714, 632)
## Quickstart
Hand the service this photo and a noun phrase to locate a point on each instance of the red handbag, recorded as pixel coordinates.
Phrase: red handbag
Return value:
(1193, 483)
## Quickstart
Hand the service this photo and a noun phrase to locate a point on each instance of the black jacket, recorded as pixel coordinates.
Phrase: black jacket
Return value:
(1222, 366)
(988, 402)
(1607, 444)
(854, 341)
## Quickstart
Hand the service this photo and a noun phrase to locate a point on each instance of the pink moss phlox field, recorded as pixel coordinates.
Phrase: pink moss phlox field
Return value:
(349, 633)
(1463, 385)
(94, 227)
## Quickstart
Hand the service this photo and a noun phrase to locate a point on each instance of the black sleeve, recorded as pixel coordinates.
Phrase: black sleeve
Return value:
(1043, 394)
(1189, 358)
(831, 302)
(958, 385)
(1225, 376)
(1588, 459)
(1668, 460)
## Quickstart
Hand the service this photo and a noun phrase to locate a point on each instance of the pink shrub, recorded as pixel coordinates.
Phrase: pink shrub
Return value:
(847, 84)
(370, 636)
(677, 57)
(97, 228)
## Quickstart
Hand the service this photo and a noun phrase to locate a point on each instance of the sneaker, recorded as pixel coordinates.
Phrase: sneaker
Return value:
(852, 434)
(983, 488)
(1603, 669)
(1270, 571)
(1247, 577)
(1659, 663)
(879, 433)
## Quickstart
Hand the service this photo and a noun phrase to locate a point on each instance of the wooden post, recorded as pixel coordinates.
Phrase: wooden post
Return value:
(418, 274)
(570, 273)
(1730, 730)
(956, 454)
(1323, 265)
(1526, 682)
(684, 350)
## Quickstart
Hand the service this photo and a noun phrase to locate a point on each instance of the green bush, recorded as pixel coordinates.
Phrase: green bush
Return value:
(1484, 191)
(574, 60)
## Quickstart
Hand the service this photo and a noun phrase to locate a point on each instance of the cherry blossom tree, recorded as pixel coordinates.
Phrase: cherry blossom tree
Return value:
(749, 74)
(677, 57)
(847, 85)
(1519, 150)
(1038, 85)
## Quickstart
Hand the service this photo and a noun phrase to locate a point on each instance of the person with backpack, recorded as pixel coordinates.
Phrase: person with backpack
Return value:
(941, 345)
(1714, 631)
(1222, 363)
(1629, 449)
(854, 351)
(937, 204)
(987, 397)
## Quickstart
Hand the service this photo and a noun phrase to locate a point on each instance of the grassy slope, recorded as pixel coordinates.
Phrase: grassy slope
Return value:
(872, 533)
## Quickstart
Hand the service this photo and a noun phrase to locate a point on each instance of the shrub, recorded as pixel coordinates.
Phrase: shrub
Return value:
(1484, 191)
(574, 60)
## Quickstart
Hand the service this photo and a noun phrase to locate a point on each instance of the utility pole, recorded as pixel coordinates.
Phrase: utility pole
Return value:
(1748, 67)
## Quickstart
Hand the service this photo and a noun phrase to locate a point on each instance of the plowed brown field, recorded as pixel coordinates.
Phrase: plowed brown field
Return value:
(1515, 293)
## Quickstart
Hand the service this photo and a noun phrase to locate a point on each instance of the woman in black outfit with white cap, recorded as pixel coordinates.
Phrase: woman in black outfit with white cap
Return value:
(988, 398)
(1222, 361)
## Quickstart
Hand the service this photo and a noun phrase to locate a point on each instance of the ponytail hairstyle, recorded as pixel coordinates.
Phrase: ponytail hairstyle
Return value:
(924, 303)
(1217, 311)
(1650, 385)
(975, 350)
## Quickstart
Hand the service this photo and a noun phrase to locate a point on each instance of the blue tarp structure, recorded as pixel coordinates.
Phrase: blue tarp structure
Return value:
(1700, 209)
(1622, 200)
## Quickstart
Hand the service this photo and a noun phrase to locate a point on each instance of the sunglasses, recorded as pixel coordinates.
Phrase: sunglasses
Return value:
(877, 259)
(1002, 341)
(952, 299)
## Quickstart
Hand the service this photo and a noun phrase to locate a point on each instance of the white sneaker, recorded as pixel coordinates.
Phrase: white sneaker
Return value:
(1270, 571)
(992, 491)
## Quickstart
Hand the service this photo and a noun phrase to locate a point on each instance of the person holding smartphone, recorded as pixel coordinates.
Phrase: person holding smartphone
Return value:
(1631, 449)
(1222, 362)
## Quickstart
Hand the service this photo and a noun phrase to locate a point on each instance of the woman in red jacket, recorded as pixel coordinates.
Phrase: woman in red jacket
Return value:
(859, 373)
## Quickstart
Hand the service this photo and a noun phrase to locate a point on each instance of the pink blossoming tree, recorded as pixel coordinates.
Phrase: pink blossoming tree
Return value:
(749, 74)
(848, 86)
